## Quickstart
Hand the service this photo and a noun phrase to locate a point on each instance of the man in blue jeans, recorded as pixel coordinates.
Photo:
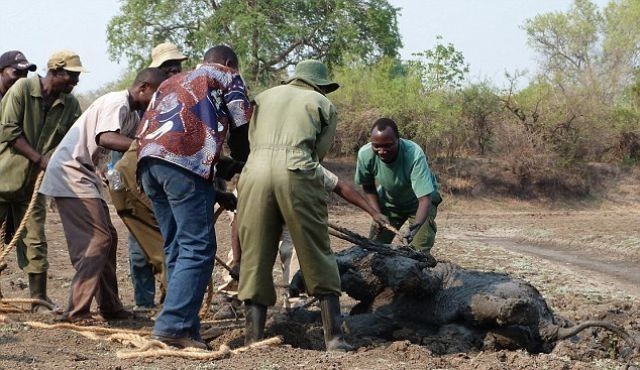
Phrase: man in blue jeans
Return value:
(180, 139)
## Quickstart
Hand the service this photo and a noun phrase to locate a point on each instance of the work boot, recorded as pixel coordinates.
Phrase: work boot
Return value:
(331, 323)
(38, 290)
(256, 316)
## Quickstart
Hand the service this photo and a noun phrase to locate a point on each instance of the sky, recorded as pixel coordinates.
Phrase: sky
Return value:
(487, 32)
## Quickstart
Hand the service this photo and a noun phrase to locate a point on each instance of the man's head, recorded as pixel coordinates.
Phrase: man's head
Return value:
(222, 54)
(316, 74)
(168, 58)
(13, 66)
(145, 84)
(63, 68)
(385, 139)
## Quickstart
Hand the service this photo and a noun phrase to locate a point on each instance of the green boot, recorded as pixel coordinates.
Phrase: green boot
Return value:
(38, 290)
(256, 316)
(331, 323)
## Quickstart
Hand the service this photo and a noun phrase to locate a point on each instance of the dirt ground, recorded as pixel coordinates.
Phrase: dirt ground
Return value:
(584, 259)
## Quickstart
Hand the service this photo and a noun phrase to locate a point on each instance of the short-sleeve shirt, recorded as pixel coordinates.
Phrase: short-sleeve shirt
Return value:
(329, 179)
(187, 121)
(72, 168)
(401, 182)
(23, 113)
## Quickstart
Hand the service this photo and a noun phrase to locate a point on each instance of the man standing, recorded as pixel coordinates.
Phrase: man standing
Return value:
(407, 189)
(36, 113)
(144, 262)
(291, 132)
(78, 191)
(180, 140)
(13, 66)
(168, 58)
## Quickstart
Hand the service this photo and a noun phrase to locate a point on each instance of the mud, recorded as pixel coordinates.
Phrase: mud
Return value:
(575, 293)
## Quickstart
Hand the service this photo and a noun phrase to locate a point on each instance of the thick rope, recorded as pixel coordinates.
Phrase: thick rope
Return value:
(195, 354)
(23, 223)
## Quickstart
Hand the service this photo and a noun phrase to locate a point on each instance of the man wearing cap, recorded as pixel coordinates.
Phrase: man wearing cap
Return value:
(168, 58)
(72, 180)
(145, 254)
(180, 139)
(13, 66)
(36, 114)
(290, 133)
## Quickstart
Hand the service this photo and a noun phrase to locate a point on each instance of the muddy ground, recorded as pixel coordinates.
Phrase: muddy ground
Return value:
(584, 258)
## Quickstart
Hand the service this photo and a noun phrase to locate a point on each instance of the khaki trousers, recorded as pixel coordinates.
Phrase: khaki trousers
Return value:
(270, 195)
(135, 210)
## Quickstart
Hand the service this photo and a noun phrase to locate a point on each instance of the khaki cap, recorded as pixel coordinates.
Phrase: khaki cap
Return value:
(163, 52)
(67, 60)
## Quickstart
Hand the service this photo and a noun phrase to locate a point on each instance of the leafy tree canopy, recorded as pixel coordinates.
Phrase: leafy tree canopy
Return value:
(268, 35)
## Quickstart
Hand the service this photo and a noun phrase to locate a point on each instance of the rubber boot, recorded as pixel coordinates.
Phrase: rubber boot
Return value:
(331, 323)
(256, 316)
(38, 290)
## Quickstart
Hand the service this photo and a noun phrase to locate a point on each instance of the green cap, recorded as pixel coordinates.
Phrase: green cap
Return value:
(314, 73)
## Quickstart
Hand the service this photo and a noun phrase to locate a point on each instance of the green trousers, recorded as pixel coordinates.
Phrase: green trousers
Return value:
(426, 235)
(32, 245)
(270, 195)
(134, 208)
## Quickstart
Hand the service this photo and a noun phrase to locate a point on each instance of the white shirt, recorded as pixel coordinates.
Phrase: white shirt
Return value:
(71, 171)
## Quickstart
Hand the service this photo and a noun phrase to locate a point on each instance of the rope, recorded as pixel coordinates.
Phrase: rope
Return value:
(23, 223)
(195, 354)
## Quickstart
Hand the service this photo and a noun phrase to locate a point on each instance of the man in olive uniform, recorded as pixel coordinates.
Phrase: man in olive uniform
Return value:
(291, 131)
(36, 114)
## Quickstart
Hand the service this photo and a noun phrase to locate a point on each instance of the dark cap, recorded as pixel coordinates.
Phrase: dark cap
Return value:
(17, 60)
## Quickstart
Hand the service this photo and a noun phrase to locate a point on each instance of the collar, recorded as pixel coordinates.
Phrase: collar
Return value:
(35, 90)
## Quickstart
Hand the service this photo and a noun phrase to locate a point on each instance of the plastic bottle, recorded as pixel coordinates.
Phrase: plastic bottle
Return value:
(113, 177)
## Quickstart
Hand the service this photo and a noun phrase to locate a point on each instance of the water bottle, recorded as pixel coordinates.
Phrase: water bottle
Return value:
(113, 177)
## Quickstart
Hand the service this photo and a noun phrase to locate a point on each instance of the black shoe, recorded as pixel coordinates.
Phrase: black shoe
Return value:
(256, 316)
(331, 321)
(181, 342)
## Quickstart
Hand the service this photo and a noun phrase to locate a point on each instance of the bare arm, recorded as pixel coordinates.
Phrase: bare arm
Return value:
(423, 210)
(371, 194)
(114, 141)
(22, 146)
(351, 195)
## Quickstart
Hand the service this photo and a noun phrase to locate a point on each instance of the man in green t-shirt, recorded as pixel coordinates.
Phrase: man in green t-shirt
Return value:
(406, 187)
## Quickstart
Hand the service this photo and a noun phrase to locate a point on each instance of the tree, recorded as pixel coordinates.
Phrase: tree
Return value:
(442, 67)
(268, 35)
(479, 104)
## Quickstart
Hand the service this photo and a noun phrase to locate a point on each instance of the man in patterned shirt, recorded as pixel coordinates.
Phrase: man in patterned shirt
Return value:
(180, 139)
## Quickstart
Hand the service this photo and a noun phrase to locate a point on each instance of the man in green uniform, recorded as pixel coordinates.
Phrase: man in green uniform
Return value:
(36, 113)
(291, 130)
(407, 189)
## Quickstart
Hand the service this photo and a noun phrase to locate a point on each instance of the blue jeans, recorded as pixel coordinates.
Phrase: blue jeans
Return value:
(144, 283)
(183, 204)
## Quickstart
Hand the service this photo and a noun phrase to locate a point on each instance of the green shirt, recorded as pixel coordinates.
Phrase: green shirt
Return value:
(296, 119)
(23, 113)
(401, 182)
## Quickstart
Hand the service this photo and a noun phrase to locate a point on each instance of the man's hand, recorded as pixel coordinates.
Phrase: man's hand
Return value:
(235, 270)
(226, 200)
(43, 162)
(381, 220)
(411, 233)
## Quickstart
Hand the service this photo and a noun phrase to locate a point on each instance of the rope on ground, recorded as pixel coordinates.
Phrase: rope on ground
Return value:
(196, 354)
(78, 328)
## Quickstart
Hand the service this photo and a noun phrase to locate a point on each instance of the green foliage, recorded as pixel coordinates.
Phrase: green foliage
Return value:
(268, 35)
(442, 67)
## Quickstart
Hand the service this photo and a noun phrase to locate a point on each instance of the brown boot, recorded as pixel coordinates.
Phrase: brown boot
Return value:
(331, 323)
(38, 290)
